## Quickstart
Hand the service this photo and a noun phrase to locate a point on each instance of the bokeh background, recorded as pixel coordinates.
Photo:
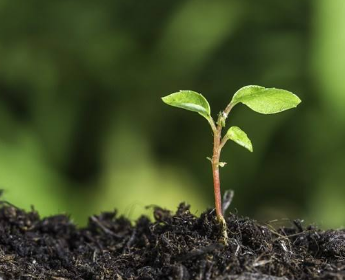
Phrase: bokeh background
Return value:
(83, 128)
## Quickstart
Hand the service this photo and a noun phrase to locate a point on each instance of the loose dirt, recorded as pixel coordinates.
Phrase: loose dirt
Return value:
(175, 246)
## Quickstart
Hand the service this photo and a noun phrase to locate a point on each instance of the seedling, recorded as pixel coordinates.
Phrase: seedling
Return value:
(259, 99)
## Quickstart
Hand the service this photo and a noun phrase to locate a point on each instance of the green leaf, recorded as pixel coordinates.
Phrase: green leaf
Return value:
(189, 100)
(266, 100)
(240, 137)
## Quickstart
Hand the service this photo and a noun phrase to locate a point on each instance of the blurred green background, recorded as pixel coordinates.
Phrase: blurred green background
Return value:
(83, 128)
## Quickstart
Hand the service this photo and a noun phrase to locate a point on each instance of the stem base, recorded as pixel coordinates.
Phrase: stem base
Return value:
(224, 230)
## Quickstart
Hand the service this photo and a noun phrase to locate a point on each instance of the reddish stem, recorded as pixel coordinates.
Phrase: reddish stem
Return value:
(215, 170)
(218, 144)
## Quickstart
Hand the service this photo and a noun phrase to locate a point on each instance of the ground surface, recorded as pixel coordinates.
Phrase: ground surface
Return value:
(176, 246)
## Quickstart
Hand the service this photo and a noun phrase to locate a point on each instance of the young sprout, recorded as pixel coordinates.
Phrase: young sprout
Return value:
(259, 99)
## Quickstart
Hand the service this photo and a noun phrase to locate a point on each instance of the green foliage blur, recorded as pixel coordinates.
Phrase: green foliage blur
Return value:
(83, 128)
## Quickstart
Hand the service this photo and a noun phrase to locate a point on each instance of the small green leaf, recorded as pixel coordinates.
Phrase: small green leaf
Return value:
(266, 100)
(240, 137)
(189, 100)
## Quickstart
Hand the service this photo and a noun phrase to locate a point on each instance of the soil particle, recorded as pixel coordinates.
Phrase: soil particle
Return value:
(177, 246)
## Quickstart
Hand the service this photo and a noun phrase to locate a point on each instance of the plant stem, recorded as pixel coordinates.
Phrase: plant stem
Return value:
(218, 144)
(215, 171)
(216, 183)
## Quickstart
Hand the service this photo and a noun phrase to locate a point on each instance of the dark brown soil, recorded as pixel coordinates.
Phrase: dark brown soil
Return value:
(176, 246)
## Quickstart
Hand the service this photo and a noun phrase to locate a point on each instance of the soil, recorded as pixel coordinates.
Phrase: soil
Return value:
(175, 246)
